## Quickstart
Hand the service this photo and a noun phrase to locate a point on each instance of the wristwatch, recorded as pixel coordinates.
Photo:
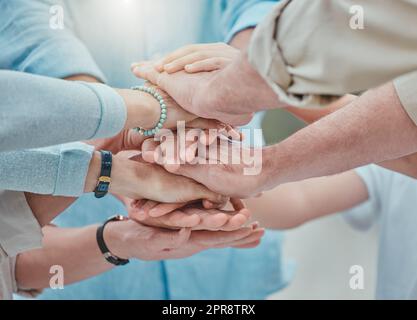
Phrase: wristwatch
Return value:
(102, 244)
(103, 183)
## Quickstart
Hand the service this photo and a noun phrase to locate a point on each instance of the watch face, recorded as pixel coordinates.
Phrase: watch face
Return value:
(103, 187)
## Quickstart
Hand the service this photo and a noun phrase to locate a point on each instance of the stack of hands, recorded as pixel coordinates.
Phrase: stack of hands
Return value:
(180, 210)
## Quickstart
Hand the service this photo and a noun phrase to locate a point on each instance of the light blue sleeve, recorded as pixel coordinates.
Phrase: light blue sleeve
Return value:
(377, 181)
(239, 15)
(29, 44)
(58, 170)
(38, 111)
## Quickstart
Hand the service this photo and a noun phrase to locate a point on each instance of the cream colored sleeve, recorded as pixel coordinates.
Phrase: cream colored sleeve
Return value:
(19, 229)
(313, 52)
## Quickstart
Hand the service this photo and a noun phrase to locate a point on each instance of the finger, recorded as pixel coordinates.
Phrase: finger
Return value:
(249, 245)
(149, 145)
(209, 239)
(191, 145)
(137, 213)
(133, 140)
(145, 70)
(152, 151)
(148, 206)
(236, 221)
(138, 203)
(202, 123)
(237, 120)
(191, 153)
(210, 205)
(237, 204)
(179, 53)
(189, 59)
(202, 192)
(253, 237)
(208, 137)
(233, 133)
(207, 65)
(209, 220)
(164, 208)
(180, 219)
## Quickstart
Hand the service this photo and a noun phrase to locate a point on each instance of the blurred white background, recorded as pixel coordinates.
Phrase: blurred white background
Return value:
(324, 251)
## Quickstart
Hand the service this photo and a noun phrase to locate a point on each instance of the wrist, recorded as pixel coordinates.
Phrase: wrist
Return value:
(273, 174)
(143, 110)
(265, 98)
(116, 239)
(93, 173)
(124, 173)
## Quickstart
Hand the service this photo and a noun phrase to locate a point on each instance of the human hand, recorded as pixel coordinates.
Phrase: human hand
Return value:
(198, 58)
(136, 179)
(227, 168)
(191, 215)
(130, 239)
(231, 94)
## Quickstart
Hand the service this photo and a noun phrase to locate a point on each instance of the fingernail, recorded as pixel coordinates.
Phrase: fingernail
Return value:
(136, 70)
(133, 65)
(188, 67)
(255, 225)
(235, 135)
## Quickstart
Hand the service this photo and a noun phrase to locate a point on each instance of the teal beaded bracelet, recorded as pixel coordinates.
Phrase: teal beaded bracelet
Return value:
(162, 119)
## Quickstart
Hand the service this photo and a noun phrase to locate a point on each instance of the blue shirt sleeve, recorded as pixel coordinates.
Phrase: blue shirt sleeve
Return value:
(58, 170)
(239, 15)
(29, 44)
(377, 180)
(37, 111)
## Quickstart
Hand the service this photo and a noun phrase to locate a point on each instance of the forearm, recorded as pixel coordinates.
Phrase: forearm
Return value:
(241, 40)
(406, 165)
(364, 132)
(75, 250)
(46, 208)
(293, 204)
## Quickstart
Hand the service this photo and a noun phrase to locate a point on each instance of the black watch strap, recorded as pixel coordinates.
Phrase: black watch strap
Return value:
(103, 183)
(102, 244)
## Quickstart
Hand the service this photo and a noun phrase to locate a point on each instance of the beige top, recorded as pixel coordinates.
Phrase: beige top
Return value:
(312, 52)
(19, 232)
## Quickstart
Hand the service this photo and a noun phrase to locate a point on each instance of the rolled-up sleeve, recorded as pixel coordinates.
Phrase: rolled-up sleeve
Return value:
(313, 52)
(406, 87)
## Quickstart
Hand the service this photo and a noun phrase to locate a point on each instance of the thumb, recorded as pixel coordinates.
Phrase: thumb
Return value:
(147, 71)
(133, 140)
